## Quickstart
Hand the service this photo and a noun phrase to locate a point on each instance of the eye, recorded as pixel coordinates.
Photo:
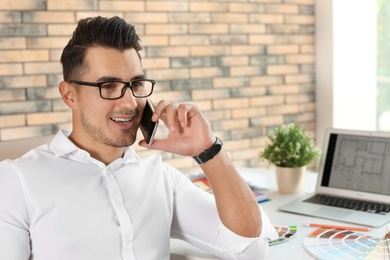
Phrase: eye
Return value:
(110, 85)
(137, 84)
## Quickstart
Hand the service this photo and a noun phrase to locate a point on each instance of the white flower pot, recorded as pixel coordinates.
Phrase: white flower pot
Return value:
(290, 180)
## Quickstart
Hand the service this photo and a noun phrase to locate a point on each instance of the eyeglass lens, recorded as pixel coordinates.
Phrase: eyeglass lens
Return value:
(112, 90)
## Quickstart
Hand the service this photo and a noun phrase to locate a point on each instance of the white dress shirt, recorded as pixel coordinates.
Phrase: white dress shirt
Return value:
(59, 203)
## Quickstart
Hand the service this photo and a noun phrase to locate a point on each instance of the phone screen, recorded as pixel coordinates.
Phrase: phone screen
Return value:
(148, 127)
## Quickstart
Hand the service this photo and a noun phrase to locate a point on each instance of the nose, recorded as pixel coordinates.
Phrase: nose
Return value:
(128, 100)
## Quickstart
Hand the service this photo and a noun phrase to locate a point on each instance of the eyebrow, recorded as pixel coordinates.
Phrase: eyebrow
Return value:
(108, 78)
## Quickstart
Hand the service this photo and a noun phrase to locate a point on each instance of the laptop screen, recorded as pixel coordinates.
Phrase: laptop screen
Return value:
(359, 163)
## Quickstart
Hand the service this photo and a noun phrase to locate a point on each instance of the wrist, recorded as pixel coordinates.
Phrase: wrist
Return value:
(209, 153)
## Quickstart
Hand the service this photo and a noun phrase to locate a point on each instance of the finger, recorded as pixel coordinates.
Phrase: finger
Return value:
(182, 112)
(171, 116)
(159, 111)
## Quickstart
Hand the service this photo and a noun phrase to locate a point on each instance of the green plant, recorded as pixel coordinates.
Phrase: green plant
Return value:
(290, 147)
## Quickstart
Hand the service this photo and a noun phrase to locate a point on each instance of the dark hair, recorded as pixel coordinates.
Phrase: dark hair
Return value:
(97, 31)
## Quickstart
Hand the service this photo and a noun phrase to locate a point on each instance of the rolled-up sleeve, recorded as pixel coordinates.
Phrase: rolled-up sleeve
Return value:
(196, 221)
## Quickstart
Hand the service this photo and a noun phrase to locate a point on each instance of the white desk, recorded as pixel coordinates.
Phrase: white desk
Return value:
(181, 250)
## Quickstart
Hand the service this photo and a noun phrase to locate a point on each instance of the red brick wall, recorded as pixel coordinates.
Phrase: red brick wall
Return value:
(249, 64)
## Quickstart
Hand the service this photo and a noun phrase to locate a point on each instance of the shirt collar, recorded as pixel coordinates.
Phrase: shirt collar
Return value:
(62, 146)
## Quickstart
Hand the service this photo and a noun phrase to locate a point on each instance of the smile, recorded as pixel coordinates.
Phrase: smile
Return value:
(121, 120)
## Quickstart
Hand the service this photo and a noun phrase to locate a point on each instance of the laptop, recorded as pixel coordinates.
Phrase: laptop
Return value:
(353, 182)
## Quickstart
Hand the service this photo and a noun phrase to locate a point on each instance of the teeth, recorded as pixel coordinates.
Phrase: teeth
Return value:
(121, 119)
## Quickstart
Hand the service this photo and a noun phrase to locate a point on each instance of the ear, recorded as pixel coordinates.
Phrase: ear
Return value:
(68, 94)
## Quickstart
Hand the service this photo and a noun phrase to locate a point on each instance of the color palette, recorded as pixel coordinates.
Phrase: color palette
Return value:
(327, 244)
(285, 233)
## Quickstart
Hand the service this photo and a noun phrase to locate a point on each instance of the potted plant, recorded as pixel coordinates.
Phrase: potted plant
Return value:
(290, 150)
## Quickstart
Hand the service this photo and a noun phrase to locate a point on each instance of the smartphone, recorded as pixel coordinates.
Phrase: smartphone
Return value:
(148, 127)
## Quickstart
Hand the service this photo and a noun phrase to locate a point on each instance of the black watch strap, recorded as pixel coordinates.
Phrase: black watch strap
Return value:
(209, 153)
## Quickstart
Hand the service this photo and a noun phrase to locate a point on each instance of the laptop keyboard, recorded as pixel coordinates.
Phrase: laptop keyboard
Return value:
(346, 203)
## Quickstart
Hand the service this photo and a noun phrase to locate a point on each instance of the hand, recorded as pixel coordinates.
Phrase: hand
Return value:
(189, 131)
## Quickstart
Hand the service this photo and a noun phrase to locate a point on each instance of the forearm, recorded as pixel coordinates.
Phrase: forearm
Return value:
(236, 204)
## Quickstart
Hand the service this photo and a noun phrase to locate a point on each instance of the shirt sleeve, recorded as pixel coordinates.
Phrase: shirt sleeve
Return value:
(196, 221)
(14, 234)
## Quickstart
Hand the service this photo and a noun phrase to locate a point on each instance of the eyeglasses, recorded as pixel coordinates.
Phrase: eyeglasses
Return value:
(140, 88)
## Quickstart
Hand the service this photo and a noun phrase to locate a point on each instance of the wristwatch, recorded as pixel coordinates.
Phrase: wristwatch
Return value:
(209, 154)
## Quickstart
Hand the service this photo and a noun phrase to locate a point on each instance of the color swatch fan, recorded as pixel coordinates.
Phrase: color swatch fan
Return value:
(285, 233)
(345, 244)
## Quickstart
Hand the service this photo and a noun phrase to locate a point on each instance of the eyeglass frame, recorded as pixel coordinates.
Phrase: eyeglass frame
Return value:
(123, 90)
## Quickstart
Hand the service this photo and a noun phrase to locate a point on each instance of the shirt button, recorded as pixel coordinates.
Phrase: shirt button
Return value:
(117, 204)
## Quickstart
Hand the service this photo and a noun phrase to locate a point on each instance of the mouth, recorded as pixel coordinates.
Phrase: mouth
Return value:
(122, 120)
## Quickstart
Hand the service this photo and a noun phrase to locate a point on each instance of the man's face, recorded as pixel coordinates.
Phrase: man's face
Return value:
(111, 122)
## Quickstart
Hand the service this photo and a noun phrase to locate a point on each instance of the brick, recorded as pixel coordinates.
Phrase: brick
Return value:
(161, 40)
(283, 109)
(282, 49)
(247, 49)
(207, 72)
(249, 112)
(191, 84)
(246, 7)
(47, 42)
(234, 145)
(284, 89)
(82, 14)
(155, 63)
(228, 39)
(266, 80)
(139, 17)
(22, 30)
(71, 5)
(48, 118)
(230, 103)
(23, 55)
(300, 59)
(245, 154)
(189, 40)
(266, 18)
(247, 28)
(234, 61)
(209, 50)
(299, 39)
(192, 62)
(42, 67)
(208, 7)
(308, 68)
(300, 19)
(249, 91)
(283, 28)
(264, 60)
(239, 134)
(230, 124)
(229, 18)
(23, 5)
(11, 69)
(24, 107)
(282, 8)
(306, 2)
(266, 39)
(43, 93)
(299, 98)
(10, 17)
(275, 120)
(20, 81)
(61, 30)
(246, 71)
(12, 95)
(178, 51)
(299, 78)
(59, 105)
(230, 82)
(12, 43)
(166, 29)
(209, 29)
(266, 101)
(12, 121)
(172, 96)
(166, 74)
(210, 94)
(24, 132)
(48, 17)
(282, 69)
(122, 6)
(167, 6)
(214, 115)
(189, 18)
(55, 55)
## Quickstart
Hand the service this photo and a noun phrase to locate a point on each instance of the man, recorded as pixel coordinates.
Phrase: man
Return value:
(87, 195)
